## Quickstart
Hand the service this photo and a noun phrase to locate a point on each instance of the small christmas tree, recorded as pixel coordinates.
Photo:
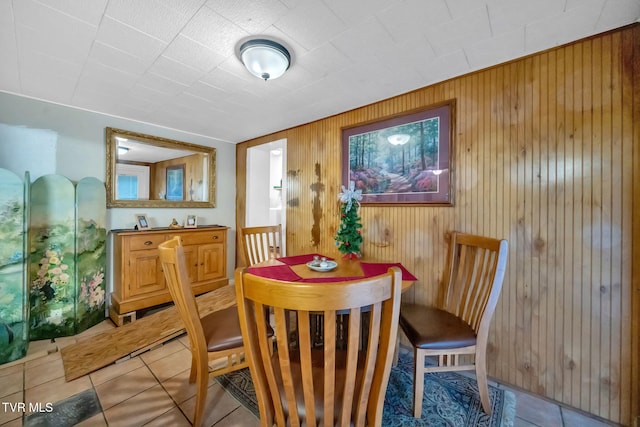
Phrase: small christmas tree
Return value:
(349, 238)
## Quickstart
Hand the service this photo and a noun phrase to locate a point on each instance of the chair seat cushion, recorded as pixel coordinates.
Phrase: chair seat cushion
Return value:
(222, 329)
(430, 328)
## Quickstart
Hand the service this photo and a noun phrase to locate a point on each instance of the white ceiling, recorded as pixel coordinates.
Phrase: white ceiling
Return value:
(173, 63)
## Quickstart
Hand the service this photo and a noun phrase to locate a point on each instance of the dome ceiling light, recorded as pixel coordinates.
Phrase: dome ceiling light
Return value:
(265, 59)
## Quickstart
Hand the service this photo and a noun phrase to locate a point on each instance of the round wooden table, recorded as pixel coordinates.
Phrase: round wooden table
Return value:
(347, 269)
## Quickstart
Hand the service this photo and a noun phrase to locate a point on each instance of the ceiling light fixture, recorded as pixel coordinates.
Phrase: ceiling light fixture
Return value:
(265, 59)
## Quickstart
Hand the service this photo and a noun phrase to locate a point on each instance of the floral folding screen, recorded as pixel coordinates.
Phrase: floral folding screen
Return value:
(67, 257)
(52, 261)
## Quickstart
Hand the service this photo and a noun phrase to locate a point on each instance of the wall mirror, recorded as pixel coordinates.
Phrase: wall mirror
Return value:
(149, 171)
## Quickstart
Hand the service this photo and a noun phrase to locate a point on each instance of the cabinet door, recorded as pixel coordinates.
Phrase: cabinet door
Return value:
(211, 262)
(145, 273)
(191, 260)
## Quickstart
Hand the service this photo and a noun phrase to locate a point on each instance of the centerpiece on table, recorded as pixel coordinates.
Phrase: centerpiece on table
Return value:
(349, 237)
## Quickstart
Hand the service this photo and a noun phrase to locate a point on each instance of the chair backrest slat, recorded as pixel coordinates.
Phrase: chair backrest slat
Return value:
(471, 287)
(308, 385)
(347, 377)
(260, 244)
(173, 262)
(329, 383)
(353, 342)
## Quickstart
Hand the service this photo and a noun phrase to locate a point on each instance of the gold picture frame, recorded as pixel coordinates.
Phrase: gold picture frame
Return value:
(402, 160)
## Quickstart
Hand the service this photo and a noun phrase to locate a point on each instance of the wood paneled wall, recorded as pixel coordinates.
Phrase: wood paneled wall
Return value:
(546, 154)
(193, 176)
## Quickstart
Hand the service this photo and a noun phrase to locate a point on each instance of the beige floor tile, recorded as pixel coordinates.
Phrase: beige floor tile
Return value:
(140, 409)
(573, 418)
(124, 387)
(171, 365)
(43, 372)
(241, 417)
(173, 418)
(163, 351)
(12, 369)
(179, 387)
(184, 339)
(537, 411)
(11, 413)
(15, 423)
(55, 354)
(218, 405)
(56, 390)
(41, 346)
(117, 369)
(12, 383)
(95, 421)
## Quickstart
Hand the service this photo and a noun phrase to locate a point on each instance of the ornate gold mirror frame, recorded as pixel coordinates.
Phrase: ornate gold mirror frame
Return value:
(141, 161)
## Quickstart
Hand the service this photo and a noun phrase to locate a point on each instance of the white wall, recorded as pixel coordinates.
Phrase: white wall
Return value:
(257, 187)
(80, 152)
(17, 145)
(265, 170)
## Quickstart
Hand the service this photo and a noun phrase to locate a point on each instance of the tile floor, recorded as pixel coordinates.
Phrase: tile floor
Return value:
(152, 389)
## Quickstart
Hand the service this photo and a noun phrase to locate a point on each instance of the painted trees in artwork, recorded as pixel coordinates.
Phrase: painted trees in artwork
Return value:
(398, 159)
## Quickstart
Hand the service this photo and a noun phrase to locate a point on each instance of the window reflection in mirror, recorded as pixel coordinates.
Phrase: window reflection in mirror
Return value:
(132, 182)
(144, 170)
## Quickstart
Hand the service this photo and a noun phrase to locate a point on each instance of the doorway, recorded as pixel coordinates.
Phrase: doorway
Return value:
(266, 186)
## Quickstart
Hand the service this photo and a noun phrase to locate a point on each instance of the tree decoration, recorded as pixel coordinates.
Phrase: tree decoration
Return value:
(349, 237)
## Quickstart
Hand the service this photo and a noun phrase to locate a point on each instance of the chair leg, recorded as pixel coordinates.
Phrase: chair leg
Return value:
(418, 382)
(396, 351)
(483, 386)
(202, 381)
(194, 369)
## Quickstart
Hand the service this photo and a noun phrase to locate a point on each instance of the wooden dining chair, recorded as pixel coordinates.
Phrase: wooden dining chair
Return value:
(459, 324)
(215, 336)
(260, 244)
(302, 385)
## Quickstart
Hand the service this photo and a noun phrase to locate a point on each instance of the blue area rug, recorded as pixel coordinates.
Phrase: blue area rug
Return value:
(450, 399)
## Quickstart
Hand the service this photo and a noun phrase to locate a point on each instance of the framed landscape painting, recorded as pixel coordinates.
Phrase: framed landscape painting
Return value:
(402, 160)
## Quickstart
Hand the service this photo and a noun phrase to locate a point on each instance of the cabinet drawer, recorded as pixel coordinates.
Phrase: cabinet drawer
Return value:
(202, 237)
(137, 243)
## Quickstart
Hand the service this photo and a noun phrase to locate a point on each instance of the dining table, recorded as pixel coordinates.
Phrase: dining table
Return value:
(305, 269)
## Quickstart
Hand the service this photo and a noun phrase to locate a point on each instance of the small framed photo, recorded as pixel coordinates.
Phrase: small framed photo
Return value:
(191, 221)
(142, 222)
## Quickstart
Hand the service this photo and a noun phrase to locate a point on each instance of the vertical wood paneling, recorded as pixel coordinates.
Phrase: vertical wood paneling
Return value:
(631, 51)
(546, 154)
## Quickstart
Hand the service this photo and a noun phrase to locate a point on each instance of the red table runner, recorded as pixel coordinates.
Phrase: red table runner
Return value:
(284, 272)
(371, 269)
(277, 272)
(300, 259)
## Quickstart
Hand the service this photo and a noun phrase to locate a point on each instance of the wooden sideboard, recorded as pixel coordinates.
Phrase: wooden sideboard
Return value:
(138, 279)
